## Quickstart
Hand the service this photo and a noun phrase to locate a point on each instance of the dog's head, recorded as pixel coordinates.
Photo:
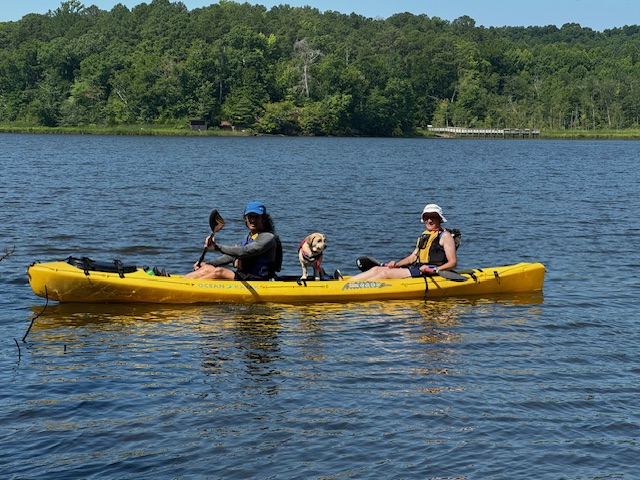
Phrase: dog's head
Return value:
(317, 242)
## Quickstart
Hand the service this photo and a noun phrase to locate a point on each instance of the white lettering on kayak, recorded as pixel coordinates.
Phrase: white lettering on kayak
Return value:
(361, 285)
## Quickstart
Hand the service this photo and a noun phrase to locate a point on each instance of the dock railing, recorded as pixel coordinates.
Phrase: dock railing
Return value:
(486, 132)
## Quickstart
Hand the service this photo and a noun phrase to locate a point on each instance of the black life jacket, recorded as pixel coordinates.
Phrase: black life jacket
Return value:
(429, 249)
(260, 265)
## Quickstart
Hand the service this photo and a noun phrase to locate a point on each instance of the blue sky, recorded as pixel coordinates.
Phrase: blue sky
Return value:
(596, 14)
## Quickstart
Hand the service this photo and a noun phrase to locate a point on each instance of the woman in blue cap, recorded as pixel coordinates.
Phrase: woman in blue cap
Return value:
(254, 259)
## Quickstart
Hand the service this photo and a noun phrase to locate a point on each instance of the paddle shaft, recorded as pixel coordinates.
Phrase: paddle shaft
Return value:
(205, 250)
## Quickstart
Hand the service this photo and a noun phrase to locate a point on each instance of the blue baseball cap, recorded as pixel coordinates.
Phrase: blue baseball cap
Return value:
(255, 207)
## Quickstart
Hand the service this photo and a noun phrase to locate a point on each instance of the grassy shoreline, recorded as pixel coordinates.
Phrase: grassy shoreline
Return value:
(155, 130)
(132, 130)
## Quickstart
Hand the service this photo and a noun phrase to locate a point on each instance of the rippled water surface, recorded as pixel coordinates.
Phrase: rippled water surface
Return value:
(528, 386)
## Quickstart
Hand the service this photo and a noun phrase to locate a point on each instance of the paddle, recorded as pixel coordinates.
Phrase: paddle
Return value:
(366, 263)
(216, 223)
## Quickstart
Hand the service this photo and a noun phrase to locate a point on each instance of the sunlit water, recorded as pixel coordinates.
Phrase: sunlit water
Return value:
(527, 386)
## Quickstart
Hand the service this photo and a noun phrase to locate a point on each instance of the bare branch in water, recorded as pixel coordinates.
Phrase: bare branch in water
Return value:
(46, 292)
(7, 253)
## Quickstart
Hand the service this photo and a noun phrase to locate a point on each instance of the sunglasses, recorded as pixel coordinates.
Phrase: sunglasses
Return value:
(433, 218)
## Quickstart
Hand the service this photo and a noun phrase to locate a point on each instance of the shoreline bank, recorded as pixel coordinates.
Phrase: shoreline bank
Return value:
(134, 130)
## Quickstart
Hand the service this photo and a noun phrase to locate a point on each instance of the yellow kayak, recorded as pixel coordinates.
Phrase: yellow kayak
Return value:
(66, 283)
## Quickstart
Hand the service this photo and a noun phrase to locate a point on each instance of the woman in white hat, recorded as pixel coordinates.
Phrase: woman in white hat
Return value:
(435, 250)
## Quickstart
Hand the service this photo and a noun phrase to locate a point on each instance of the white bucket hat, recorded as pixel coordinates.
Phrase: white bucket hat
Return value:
(433, 208)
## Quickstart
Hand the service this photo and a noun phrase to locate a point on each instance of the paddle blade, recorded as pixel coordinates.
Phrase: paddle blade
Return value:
(216, 222)
(456, 277)
(367, 263)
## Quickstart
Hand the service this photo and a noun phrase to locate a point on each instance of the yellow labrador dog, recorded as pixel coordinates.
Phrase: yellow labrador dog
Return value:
(310, 254)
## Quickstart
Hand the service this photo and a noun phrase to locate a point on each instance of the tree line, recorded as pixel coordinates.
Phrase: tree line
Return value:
(294, 71)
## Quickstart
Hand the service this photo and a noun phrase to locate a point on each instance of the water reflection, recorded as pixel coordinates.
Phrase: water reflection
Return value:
(253, 349)
(310, 320)
(244, 334)
(109, 316)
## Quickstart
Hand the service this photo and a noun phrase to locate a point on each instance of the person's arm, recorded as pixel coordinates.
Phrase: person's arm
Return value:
(263, 243)
(222, 260)
(449, 245)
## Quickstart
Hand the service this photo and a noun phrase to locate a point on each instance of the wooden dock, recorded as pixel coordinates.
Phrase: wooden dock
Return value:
(486, 132)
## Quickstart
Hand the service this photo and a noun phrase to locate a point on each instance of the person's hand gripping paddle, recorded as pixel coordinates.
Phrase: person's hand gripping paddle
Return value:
(216, 223)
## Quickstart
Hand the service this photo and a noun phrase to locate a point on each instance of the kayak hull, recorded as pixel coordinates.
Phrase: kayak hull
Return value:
(65, 283)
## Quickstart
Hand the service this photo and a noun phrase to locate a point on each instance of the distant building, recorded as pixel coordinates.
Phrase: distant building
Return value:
(197, 125)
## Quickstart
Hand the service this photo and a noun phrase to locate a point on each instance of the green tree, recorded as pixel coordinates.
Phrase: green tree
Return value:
(297, 70)
(279, 118)
(329, 116)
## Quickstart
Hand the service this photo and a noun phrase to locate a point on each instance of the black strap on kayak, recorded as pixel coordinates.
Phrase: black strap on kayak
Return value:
(497, 275)
(474, 276)
(120, 266)
(88, 265)
(85, 264)
(426, 287)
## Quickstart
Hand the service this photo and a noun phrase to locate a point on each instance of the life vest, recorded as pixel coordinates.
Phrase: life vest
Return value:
(258, 265)
(429, 249)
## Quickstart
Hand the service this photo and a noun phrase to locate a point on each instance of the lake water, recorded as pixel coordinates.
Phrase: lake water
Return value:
(529, 386)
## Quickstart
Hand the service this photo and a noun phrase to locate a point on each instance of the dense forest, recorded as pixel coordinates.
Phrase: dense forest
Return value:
(301, 71)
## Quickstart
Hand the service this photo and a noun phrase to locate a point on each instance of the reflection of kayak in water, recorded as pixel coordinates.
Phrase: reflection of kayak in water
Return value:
(63, 282)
